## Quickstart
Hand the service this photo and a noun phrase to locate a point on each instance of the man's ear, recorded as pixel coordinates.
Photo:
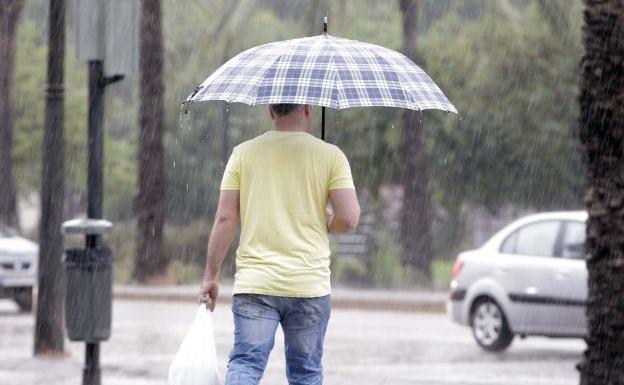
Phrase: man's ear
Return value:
(271, 113)
(307, 110)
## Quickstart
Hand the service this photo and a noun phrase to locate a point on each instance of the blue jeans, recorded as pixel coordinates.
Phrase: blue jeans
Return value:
(304, 322)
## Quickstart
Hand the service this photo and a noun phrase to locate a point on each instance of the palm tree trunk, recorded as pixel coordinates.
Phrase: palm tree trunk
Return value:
(415, 217)
(49, 323)
(602, 136)
(150, 260)
(9, 15)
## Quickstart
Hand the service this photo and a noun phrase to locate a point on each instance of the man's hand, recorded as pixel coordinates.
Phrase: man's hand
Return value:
(329, 217)
(208, 293)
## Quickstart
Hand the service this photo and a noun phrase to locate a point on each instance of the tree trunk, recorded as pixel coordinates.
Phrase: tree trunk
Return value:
(151, 200)
(9, 15)
(602, 136)
(415, 217)
(49, 323)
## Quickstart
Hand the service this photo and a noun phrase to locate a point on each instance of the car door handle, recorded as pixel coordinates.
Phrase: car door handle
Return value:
(563, 274)
(503, 270)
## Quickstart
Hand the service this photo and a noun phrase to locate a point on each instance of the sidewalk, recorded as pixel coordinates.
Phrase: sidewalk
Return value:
(343, 298)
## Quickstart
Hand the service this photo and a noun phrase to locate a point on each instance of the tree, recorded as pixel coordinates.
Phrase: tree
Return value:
(415, 217)
(150, 260)
(49, 323)
(602, 137)
(9, 15)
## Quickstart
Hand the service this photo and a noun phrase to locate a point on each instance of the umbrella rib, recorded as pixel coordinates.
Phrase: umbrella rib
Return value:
(338, 84)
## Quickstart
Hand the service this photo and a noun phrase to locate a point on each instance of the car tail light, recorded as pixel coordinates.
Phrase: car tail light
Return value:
(459, 264)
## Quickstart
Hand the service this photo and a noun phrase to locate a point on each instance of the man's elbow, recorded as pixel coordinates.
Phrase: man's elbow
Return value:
(351, 221)
(355, 218)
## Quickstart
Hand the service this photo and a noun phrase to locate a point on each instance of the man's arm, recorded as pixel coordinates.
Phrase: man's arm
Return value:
(219, 242)
(346, 210)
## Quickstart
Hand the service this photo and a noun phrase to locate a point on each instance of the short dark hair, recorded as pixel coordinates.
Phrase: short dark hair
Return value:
(283, 109)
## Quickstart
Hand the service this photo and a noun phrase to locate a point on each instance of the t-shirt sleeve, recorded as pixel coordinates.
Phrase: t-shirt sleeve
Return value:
(231, 175)
(340, 174)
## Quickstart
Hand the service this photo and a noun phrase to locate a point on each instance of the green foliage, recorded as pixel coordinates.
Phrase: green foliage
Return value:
(441, 270)
(386, 267)
(184, 245)
(348, 270)
(181, 273)
(120, 162)
(28, 92)
(514, 81)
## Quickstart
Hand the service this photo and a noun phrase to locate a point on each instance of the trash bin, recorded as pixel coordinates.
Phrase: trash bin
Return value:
(88, 295)
(89, 287)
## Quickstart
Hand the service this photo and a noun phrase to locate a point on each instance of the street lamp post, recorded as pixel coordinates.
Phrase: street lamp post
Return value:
(95, 187)
(105, 30)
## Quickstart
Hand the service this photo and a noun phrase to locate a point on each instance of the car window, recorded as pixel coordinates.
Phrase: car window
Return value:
(573, 245)
(509, 246)
(538, 239)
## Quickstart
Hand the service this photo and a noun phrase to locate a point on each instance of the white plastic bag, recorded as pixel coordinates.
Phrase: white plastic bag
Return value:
(196, 360)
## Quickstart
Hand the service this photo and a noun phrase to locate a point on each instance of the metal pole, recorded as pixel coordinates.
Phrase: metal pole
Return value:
(96, 139)
(323, 108)
(91, 373)
(95, 186)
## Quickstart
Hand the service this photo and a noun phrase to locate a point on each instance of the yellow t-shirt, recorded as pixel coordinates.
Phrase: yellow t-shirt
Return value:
(284, 179)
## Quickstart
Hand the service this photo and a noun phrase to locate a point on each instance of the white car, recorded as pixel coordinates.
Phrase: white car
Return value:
(18, 268)
(528, 279)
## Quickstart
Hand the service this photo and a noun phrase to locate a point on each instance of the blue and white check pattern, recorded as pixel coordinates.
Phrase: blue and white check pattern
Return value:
(325, 71)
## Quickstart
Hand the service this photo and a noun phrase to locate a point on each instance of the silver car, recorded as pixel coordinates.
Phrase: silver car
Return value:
(18, 268)
(528, 279)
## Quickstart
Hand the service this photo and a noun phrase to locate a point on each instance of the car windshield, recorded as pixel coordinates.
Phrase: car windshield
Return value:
(7, 232)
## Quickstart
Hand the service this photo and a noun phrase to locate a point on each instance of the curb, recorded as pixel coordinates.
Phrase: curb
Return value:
(338, 301)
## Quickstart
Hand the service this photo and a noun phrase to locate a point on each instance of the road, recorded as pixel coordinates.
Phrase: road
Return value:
(362, 348)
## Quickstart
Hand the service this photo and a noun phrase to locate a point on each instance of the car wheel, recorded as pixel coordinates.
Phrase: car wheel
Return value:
(489, 326)
(24, 299)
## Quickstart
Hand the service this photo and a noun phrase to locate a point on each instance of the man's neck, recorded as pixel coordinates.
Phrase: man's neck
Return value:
(285, 127)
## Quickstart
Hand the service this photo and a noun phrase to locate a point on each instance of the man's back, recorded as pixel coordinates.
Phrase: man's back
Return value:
(284, 178)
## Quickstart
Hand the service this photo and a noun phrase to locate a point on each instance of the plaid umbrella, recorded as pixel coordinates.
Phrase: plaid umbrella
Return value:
(326, 71)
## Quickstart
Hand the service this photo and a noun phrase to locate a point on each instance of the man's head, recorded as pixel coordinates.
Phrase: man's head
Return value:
(291, 117)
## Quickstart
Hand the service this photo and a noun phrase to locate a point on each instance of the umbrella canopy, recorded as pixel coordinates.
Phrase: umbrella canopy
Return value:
(326, 71)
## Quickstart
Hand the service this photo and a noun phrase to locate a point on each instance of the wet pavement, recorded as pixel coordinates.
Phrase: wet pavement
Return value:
(362, 348)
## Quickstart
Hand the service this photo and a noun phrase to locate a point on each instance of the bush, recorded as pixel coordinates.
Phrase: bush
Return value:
(386, 268)
(348, 270)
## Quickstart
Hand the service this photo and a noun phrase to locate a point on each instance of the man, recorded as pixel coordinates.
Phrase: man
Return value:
(280, 182)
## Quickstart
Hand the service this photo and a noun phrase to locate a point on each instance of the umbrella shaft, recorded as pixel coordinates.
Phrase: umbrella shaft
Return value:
(323, 123)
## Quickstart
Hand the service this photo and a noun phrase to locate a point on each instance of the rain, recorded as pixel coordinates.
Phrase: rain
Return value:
(489, 176)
